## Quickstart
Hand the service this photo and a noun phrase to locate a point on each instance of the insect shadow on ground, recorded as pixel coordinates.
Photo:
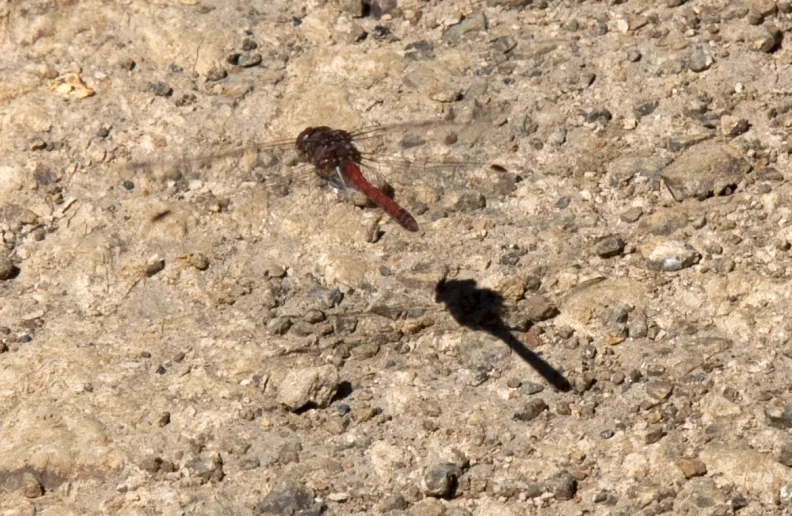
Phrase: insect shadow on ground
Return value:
(480, 309)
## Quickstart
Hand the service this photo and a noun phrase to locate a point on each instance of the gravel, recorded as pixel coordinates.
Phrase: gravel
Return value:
(593, 317)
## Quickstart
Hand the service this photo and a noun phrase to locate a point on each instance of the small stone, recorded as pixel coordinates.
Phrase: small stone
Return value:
(154, 265)
(151, 464)
(313, 386)
(557, 137)
(314, 316)
(128, 185)
(637, 328)
(163, 419)
(692, 467)
(7, 269)
(631, 214)
(441, 481)
(161, 89)
(338, 497)
(472, 24)
(700, 60)
(644, 108)
(633, 56)
(419, 51)
(199, 261)
(531, 410)
(248, 59)
(216, 74)
(654, 434)
(513, 383)
(659, 390)
(610, 246)
(765, 39)
(672, 255)
(464, 201)
(279, 325)
(392, 503)
(705, 170)
(531, 388)
(538, 308)
(607, 433)
(288, 497)
(732, 126)
(779, 416)
(563, 486)
(785, 454)
(31, 487)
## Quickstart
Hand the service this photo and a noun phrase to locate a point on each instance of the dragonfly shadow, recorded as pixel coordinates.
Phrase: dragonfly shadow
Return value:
(480, 309)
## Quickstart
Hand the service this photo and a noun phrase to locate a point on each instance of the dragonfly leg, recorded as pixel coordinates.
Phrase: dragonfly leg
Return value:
(341, 181)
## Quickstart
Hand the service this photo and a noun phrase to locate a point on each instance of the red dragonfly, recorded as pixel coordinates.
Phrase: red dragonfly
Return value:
(336, 159)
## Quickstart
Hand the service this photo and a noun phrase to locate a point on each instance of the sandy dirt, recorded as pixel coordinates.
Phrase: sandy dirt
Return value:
(593, 318)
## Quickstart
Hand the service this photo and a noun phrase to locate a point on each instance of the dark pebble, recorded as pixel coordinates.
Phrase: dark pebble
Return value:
(279, 325)
(531, 410)
(216, 74)
(24, 339)
(531, 388)
(248, 59)
(610, 247)
(654, 434)
(161, 89)
(644, 107)
(7, 269)
(441, 481)
(779, 417)
(563, 486)
(607, 433)
(161, 370)
(249, 463)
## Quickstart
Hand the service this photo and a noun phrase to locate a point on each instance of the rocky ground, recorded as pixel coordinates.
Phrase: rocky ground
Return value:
(599, 324)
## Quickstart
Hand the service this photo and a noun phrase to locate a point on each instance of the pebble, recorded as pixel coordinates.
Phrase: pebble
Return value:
(631, 214)
(610, 246)
(315, 386)
(779, 416)
(441, 481)
(531, 388)
(392, 503)
(531, 410)
(700, 60)
(732, 126)
(199, 261)
(563, 486)
(31, 487)
(287, 497)
(279, 325)
(692, 467)
(464, 201)
(654, 434)
(705, 170)
(473, 23)
(538, 308)
(659, 390)
(7, 269)
(154, 265)
(248, 59)
(161, 89)
(672, 255)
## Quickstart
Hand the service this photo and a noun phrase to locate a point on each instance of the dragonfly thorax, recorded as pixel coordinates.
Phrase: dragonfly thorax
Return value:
(327, 148)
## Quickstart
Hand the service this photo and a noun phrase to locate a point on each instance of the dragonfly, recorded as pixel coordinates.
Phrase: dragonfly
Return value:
(336, 159)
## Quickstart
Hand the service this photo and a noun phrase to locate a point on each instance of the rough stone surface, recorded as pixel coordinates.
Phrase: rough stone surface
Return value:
(705, 170)
(314, 386)
(193, 322)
